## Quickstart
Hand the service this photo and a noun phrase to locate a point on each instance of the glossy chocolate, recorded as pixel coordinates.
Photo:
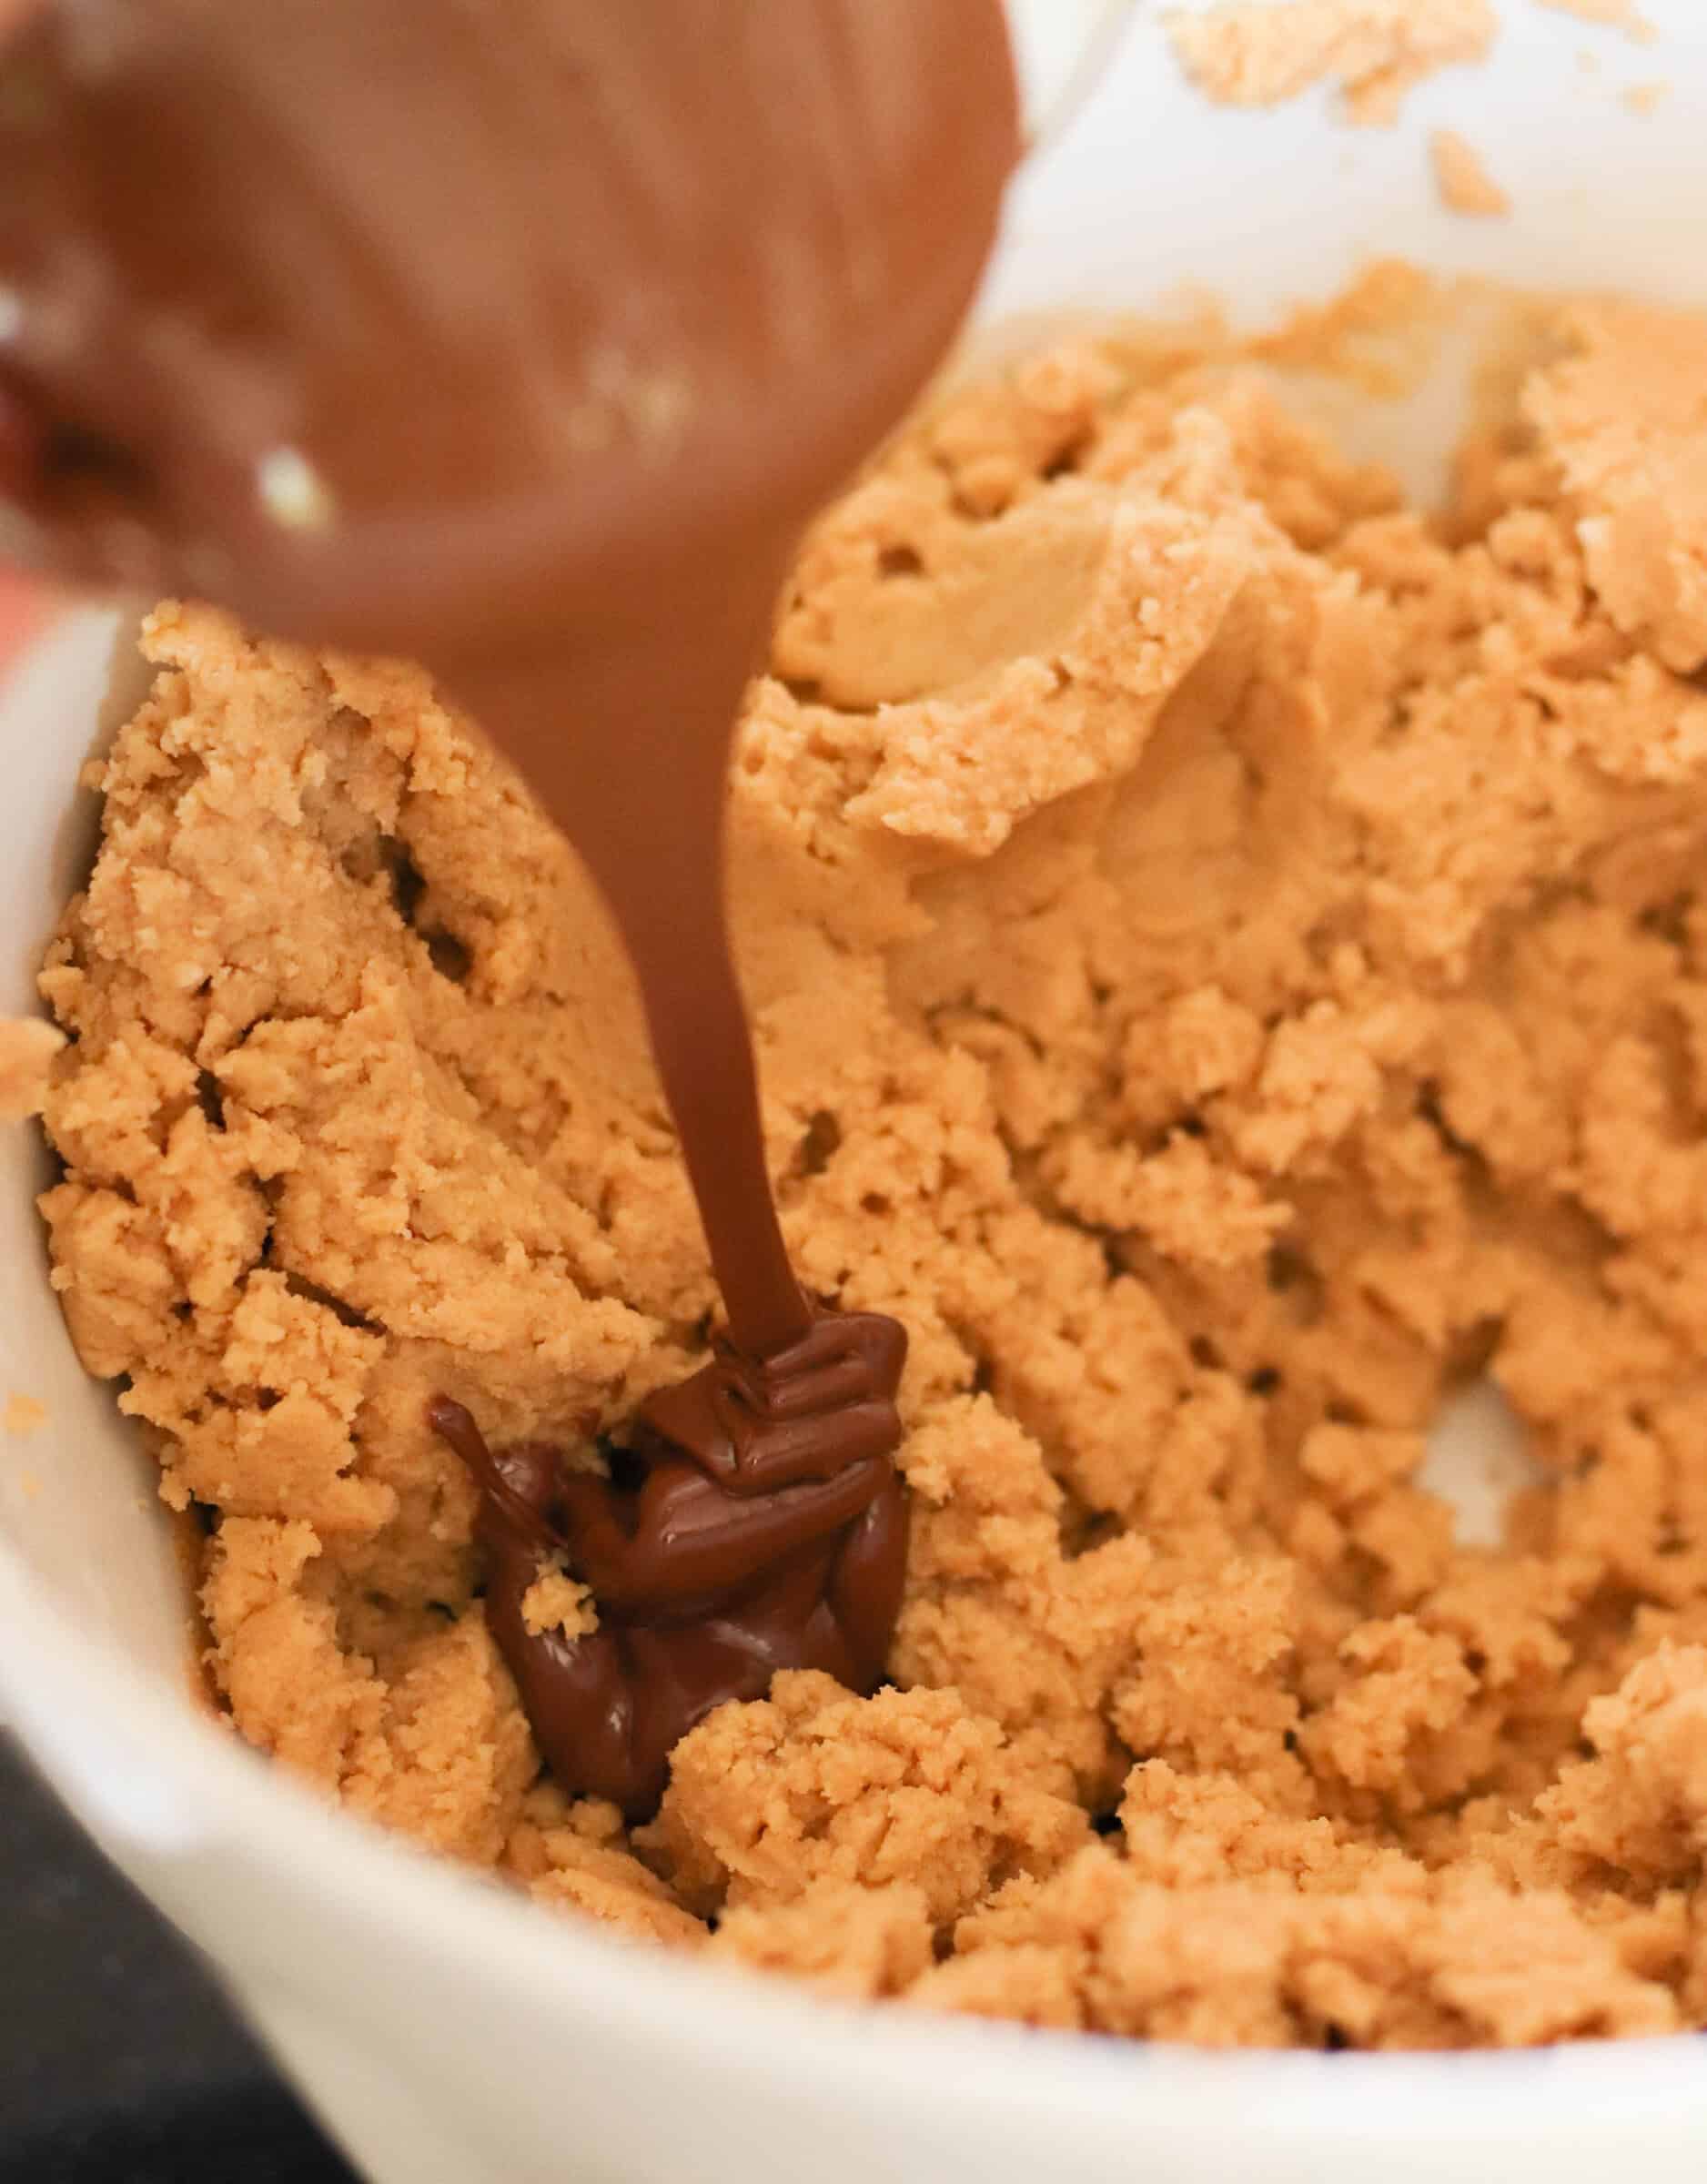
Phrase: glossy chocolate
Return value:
(767, 1529)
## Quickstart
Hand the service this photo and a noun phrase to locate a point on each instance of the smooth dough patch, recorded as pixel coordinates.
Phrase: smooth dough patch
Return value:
(1463, 177)
(27, 1048)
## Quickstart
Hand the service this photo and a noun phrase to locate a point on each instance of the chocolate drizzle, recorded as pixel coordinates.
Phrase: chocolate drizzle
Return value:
(477, 330)
(767, 1529)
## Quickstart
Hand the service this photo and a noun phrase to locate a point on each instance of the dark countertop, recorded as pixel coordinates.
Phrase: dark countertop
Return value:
(119, 2061)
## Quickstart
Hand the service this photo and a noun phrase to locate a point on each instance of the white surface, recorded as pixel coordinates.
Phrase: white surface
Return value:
(1476, 1461)
(1063, 47)
(453, 2036)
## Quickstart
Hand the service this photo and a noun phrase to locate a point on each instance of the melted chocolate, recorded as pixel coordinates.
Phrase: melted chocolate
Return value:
(477, 330)
(523, 336)
(20, 446)
(768, 1530)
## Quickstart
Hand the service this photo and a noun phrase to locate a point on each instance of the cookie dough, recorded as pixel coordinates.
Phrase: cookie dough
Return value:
(1228, 971)
(1620, 14)
(27, 1047)
(1463, 179)
(1261, 53)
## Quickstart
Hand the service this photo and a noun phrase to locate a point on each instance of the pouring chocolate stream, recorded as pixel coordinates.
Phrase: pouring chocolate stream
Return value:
(524, 336)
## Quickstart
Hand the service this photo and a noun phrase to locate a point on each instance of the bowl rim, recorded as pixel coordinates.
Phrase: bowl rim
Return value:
(188, 1791)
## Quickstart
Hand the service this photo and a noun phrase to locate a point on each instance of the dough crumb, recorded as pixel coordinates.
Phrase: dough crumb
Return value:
(1464, 183)
(558, 1602)
(1646, 99)
(1617, 15)
(28, 1046)
(1261, 53)
(23, 1415)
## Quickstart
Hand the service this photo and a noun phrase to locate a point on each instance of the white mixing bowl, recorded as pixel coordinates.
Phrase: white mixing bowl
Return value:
(450, 2035)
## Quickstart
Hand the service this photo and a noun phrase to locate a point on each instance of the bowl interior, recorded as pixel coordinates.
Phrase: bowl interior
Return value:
(1152, 198)
(1149, 197)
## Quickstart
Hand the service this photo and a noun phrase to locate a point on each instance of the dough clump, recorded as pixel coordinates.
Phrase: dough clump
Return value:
(1462, 178)
(1261, 53)
(28, 1049)
(1230, 970)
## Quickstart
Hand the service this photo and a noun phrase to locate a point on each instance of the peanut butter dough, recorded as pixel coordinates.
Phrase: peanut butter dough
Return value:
(1228, 971)
(1619, 14)
(27, 1047)
(1261, 53)
(1463, 179)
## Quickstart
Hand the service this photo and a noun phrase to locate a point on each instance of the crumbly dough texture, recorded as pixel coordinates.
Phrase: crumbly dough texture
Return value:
(1228, 968)
(1261, 53)
(556, 1601)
